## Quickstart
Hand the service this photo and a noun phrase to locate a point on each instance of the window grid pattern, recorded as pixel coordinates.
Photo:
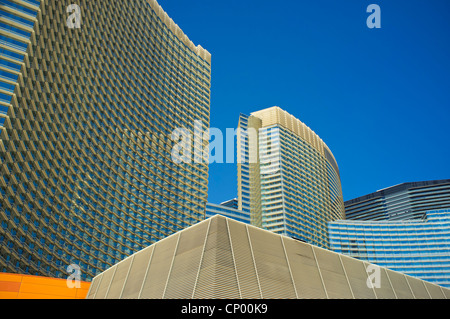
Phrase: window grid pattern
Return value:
(298, 178)
(248, 167)
(404, 201)
(229, 212)
(86, 171)
(419, 248)
(16, 27)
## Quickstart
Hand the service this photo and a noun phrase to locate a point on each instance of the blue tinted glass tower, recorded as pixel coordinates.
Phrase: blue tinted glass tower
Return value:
(416, 247)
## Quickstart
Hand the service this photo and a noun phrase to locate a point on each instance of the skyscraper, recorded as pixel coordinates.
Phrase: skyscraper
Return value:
(249, 185)
(416, 247)
(233, 203)
(400, 202)
(87, 111)
(226, 211)
(405, 227)
(287, 177)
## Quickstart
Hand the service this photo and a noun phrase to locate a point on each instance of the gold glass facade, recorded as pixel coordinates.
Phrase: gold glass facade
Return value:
(297, 177)
(87, 176)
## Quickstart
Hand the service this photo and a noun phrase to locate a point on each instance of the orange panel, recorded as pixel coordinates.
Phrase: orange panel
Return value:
(45, 289)
(81, 293)
(17, 286)
(8, 295)
(10, 277)
(44, 280)
(85, 285)
(9, 286)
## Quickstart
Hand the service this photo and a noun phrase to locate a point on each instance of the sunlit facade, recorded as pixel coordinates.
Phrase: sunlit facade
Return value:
(288, 178)
(86, 118)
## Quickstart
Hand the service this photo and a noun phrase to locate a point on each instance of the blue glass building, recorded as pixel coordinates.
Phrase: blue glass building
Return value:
(227, 211)
(400, 202)
(416, 247)
(233, 203)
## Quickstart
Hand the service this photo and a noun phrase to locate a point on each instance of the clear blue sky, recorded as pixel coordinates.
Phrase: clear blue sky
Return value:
(379, 98)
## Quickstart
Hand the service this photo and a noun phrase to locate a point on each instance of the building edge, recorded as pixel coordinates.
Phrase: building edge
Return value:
(199, 50)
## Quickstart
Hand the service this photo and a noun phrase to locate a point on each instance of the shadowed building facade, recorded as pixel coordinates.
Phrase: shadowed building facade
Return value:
(86, 118)
(224, 258)
(227, 211)
(400, 202)
(233, 203)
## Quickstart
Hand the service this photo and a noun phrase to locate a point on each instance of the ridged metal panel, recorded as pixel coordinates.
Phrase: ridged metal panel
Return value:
(226, 282)
(223, 258)
(187, 262)
(155, 282)
(333, 275)
(357, 276)
(205, 277)
(400, 285)
(217, 275)
(446, 292)
(434, 290)
(204, 285)
(116, 287)
(138, 270)
(94, 286)
(305, 273)
(243, 256)
(418, 288)
(103, 288)
(385, 291)
(271, 264)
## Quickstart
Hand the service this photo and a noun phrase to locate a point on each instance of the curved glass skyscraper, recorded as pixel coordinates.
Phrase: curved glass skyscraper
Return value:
(86, 119)
(399, 202)
(419, 248)
(226, 211)
(287, 177)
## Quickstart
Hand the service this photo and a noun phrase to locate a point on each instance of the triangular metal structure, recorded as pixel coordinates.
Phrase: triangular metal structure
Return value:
(221, 258)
